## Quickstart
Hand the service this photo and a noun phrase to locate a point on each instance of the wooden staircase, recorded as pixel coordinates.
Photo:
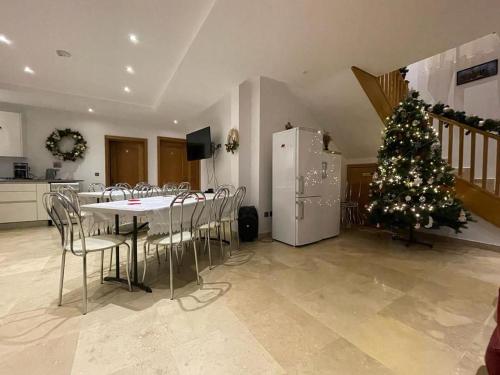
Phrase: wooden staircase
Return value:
(473, 153)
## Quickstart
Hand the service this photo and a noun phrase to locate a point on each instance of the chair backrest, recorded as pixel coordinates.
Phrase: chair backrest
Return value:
(170, 188)
(114, 193)
(96, 186)
(143, 191)
(230, 187)
(124, 185)
(66, 217)
(70, 194)
(183, 187)
(179, 214)
(237, 201)
(218, 205)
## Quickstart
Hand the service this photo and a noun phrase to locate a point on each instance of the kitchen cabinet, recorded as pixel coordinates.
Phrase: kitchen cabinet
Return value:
(11, 134)
(22, 202)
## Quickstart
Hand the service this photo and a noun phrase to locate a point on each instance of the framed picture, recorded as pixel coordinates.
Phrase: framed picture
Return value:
(480, 71)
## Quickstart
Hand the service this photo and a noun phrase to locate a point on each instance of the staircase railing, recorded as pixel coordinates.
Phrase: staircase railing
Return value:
(394, 86)
(480, 153)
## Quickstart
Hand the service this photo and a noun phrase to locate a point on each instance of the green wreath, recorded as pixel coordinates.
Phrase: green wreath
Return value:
(79, 148)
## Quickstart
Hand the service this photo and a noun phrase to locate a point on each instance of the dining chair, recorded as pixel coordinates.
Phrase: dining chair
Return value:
(170, 188)
(124, 185)
(232, 217)
(215, 214)
(183, 227)
(63, 213)
(183, 187)
(72, 195)
(96, 187)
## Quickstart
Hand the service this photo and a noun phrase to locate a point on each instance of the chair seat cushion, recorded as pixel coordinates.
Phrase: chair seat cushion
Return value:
(95, 243)
(164, 240)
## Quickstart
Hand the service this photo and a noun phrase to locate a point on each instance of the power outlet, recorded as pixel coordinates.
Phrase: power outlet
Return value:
(96, 174)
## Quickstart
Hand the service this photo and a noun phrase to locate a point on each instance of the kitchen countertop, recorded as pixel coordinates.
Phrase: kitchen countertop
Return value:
(33, 181)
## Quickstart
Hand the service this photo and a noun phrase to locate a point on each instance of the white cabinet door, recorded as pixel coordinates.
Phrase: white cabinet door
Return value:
(41, 189)
(11, 143)
(308, 221)
(309, 167)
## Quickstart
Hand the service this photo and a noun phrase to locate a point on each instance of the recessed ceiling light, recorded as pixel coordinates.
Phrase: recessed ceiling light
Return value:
(91, 110)
(130, 69)
(133, 38)
(63, 53)
(126, 89)
(28, 70)
(5, 40)
(176, 122)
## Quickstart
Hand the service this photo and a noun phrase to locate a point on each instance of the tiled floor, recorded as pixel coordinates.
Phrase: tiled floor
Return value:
(357, 304)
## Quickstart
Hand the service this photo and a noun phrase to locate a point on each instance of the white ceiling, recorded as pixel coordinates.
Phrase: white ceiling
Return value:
(192, 52)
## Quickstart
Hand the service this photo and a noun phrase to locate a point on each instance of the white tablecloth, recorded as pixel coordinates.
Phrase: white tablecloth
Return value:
(154, 210)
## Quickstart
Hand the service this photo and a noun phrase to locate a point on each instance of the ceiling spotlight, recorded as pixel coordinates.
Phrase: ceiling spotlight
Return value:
(5, 40)
(28, 70)
(126, 89)
(91, 110)
(176, 122)
(63, 53)
(129, 69)
(133, 38)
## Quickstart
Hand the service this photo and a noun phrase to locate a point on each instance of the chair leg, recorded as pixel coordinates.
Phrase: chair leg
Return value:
(196, 263)
(157, 254)
(102, 267)
(171, 274)
(237, 235)
(220, 241)
(84, 285)
(111, 258)
(146, 245)
(127, 267)
(230, 238)
(207, 235)
(61, 279)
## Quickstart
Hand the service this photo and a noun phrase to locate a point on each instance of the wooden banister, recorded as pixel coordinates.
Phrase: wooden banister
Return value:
(491, 185)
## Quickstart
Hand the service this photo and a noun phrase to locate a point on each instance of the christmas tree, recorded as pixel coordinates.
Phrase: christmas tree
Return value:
(413, 186)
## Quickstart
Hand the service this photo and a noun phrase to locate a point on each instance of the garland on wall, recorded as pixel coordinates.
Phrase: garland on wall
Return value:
(53, 144)
(487, 125)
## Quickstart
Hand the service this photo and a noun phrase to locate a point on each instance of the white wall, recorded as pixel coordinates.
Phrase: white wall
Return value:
(220, 118)
(39, 123)
(277, 107)
(435, 79)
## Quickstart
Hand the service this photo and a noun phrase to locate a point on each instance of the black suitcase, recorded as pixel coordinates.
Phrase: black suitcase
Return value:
(248, 223)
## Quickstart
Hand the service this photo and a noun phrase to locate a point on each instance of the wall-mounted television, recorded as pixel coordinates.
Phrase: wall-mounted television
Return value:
(199, 144)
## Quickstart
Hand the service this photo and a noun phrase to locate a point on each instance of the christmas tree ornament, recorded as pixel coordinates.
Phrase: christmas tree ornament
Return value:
(407, 198)
(422, 199)
(417, 226)
(431, 221)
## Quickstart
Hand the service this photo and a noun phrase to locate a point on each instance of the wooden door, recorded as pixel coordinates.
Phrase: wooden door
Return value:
(359, 177)
(126, 160)
(173, 165)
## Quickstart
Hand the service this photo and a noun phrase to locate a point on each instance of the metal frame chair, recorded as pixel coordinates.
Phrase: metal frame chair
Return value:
(234, 209)
(179, 236)
(63, 213)
(96, 187)
(215, 215)
(170, 188)
(183, 187)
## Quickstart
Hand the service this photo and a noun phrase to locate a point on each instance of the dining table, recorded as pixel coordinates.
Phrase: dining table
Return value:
(145, 208)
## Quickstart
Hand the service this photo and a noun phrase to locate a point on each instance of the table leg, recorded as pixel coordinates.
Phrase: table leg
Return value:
(135, 278)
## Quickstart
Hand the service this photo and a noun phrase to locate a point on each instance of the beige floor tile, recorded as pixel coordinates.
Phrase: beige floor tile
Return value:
(340, 357)
(289, 333)
(220, 353)
(403, 349)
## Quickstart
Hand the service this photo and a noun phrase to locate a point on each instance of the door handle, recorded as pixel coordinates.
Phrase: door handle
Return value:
(300, 215)
(300, 185)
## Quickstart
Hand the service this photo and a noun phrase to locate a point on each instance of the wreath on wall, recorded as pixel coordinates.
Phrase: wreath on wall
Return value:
(233, 141)
(79, 147)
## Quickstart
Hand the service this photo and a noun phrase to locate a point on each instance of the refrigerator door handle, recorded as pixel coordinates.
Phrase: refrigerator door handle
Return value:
(300, 185)
(300, 215)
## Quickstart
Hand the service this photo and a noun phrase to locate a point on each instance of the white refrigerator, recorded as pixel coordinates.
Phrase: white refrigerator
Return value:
(306, 188)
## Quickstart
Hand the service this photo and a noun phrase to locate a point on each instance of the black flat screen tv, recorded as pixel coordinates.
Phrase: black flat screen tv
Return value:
(199, 144)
